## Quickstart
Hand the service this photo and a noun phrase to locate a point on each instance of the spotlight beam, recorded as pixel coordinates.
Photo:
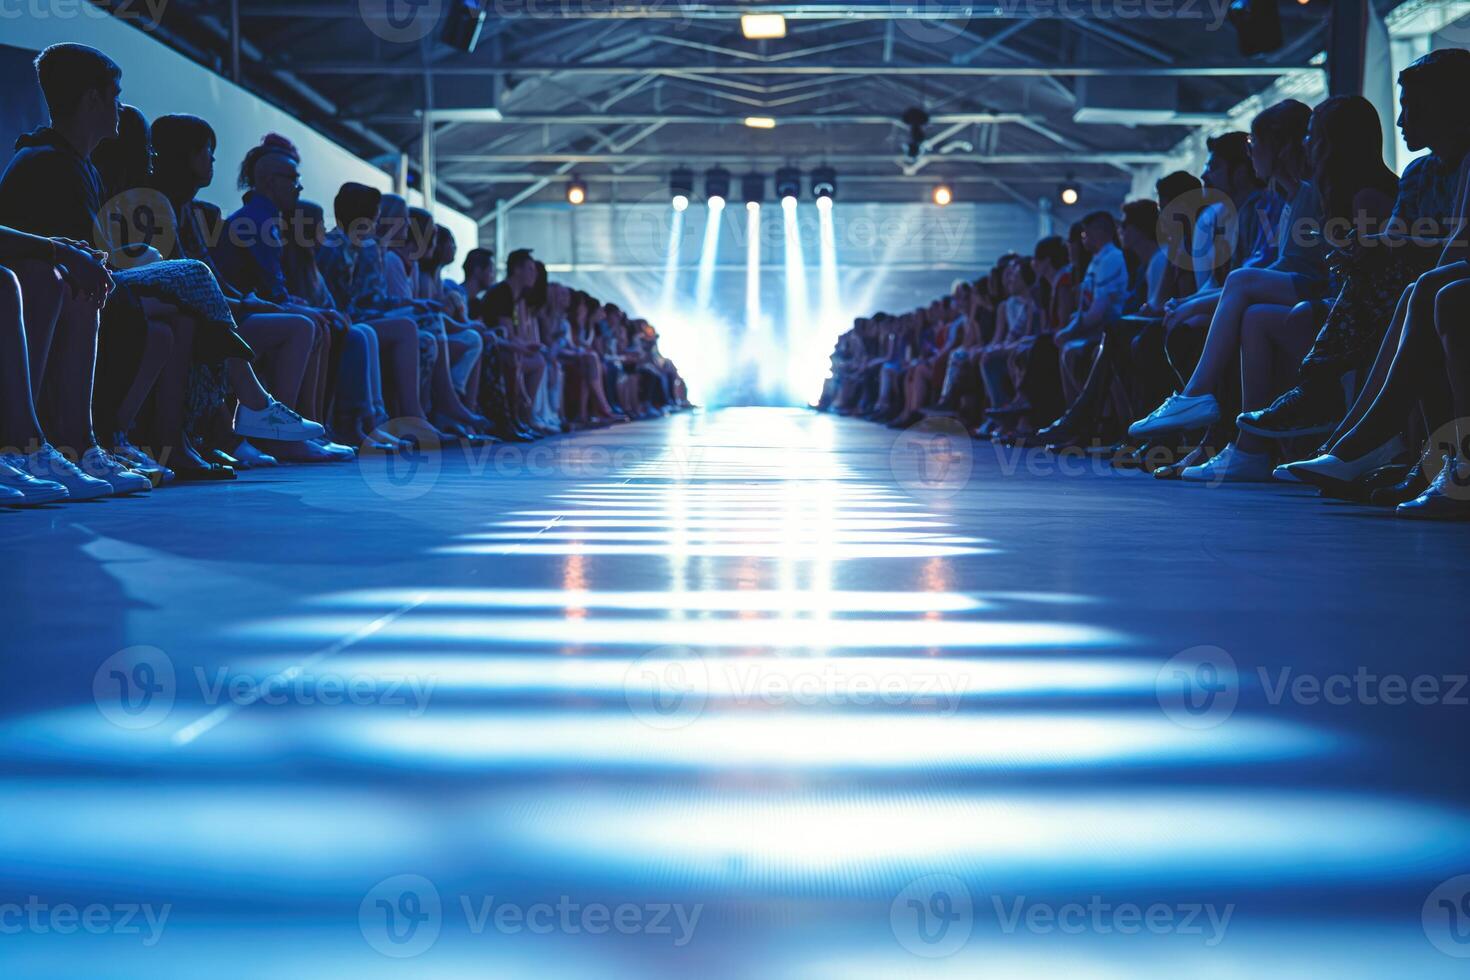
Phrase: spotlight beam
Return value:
(708, 255)
(797, 313)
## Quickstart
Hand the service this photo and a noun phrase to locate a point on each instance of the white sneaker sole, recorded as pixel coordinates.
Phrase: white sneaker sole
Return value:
(1194, 419)
(278, 433)
(31, 498)
(90, 492)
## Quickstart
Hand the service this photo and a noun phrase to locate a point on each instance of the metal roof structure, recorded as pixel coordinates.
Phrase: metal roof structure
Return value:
(1020, 94)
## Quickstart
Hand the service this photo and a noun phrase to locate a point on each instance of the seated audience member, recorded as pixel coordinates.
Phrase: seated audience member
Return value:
(360, 410)
(50, 189)
(24, 450)
(1349, 187)
(1102, 292)
(1377, 268)
(352, 264)
(1420, 376)
(504, 308)
(1235, 231)
(1019, 321)
(498, 387)
(205, 361)
(479, 275)
(1278, 149)
(460, 345)
(188, 316)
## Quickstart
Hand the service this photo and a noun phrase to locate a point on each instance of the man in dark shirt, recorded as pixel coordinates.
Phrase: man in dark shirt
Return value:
(499, 304)
(479, 275)
(51, 189)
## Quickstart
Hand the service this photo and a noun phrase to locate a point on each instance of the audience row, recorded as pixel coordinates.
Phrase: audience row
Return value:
(148, 337)
(1294, 313)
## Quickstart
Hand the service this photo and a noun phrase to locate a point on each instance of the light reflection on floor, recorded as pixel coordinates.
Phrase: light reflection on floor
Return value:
(746, 672)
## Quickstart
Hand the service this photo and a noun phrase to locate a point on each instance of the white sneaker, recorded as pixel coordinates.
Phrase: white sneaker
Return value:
(1336, 469)
(1178, 412)
(1284, 474)
(1230, 465)
(99, 463)
(47, 464)
(275, 421)
(26, 488)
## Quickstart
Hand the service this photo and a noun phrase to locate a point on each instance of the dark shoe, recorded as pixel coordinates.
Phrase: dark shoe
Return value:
(220, 458)
(1415, 481)
(1361, 490)
(1127, 456)
(1301, 411)
(208, 473)
(1446, 499)
(1175, 470)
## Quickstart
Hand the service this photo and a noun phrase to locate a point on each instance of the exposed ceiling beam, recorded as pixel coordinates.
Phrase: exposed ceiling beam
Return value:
(1249, 70)
(522, 177)
(812, 10)
(1120, 158)
(493, 117)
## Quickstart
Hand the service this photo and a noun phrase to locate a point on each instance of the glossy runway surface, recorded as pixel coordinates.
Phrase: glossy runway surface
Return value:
(753, 693)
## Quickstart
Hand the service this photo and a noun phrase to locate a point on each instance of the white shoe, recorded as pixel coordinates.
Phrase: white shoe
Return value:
(1178, 412)
(335, 448)
(26, 489)
(1284, 474)
(1230, 465)
(251, 457)
(102, 465)
(275, 421)
(1346, 470)
(49, 465)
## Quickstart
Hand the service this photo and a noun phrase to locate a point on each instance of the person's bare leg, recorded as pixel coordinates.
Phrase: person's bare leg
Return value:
(398, 340)
(533, 369)
(1377, 375)
(314, 384)
(19, 429)
(170, 392)
(597, 385)
(1259, 353)
(65, 391)
(1407, 364)
(285, 340)
(1452, 314)
(42, 290)
(156, 346)
(445, 399)
(1244, 288)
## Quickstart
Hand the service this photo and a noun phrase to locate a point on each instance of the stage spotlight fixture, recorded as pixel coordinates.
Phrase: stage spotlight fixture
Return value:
(758, 27)
(576, 191)
(942, 195)
(760, 122)
(1257, 25)
(1068, 193)
(788, 185)
(716, 186)
(681, 187)
(753, 189)
(462, 25)
(915, 119)
(824, 184)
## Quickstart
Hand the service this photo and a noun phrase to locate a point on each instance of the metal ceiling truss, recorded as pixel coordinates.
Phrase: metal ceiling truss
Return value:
(557, 90)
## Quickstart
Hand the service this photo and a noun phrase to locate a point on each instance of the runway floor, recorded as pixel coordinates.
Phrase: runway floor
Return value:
(751, 693)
